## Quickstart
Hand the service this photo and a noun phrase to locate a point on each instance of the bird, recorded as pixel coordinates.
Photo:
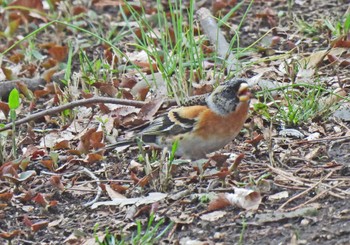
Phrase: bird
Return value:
(199, 126)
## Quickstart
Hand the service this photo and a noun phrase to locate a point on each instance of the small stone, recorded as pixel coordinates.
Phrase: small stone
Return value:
(305, 222)
(219, 235)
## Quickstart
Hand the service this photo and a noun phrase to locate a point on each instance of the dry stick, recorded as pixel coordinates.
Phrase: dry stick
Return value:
(79, 189)
(282, 173)
(315, 197)
(91, 175)
(300, 180)
(73, 104)
(322, 140)
(105, 180)
(337, 196)
(289, 187)
(76, 103)
(99, 189)
(307, 181)
(305, 191)
(288, 176)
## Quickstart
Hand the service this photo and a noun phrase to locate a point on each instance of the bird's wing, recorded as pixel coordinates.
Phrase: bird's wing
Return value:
(177, 121)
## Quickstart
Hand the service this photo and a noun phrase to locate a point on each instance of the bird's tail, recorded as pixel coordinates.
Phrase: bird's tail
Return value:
(128, 142)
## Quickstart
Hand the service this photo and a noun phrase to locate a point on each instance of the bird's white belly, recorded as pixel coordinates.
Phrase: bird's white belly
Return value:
(196, 148)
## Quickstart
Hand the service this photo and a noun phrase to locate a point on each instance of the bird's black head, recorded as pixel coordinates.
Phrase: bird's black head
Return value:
(225, 98)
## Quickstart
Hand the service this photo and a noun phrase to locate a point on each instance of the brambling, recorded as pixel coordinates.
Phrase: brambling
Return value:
(202, 125)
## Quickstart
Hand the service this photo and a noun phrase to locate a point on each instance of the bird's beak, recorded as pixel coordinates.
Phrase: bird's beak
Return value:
(244, 93)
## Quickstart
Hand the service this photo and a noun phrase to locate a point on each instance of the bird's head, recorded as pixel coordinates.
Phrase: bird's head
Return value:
(227, 96)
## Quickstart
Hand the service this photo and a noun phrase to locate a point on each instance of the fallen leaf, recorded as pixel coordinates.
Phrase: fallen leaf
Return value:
(213, 216)
(39, 225)
(119, 188)
(55, 181)
(276, 216)
(58, 52)
(220, 202)
(10, 235)
(278, 196)
(40, 199)
(6, 196)
(151, 198)
(244, 198)
(113, 194)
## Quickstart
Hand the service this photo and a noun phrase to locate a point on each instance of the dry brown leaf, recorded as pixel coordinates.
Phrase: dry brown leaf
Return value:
(93, 157)
(39, 225)
(256, 139)
(41, 93)
(49, 63)
(16, 58)
(4, 107)
(237, 161)
(48, 163)
(6, 196)
(119, 188)
(79, 10)
(341, 44)
(55, 181)
(148, 111)
(47, 75)
(220, 202)
(58, 52)
(108, 89)
(63, 144)
(33, 4)
(9, 169)
(112, 193)
(84, 143)
(314, 60)
(10, 235)
(145, 210)
(40, 199)
(223, 173)
(7, 72)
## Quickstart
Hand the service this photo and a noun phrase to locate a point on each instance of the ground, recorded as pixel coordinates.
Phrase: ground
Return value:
(300, 180)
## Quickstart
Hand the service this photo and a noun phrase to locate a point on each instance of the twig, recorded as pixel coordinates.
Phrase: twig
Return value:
(79, 189)
(77, 103)
(99, 189)
(305, 191)
(91, 175)
(73, 104)
(337, 196)
(285, 175)
(323, 140)
(315, 197)
(106, 180)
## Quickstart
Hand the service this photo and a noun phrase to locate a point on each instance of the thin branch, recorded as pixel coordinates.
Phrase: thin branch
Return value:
(305, 191)
(315, 197)
(71, 105)
(99, 189)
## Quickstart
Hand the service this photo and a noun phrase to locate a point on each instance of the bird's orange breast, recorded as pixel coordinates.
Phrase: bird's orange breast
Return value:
(211, 124)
